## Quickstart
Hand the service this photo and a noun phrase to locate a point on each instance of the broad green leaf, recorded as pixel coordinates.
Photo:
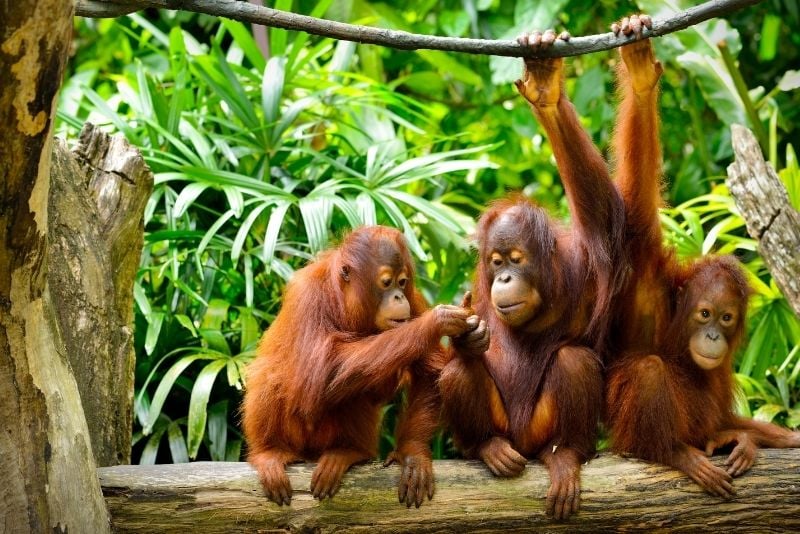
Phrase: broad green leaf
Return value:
(164, 387)
(218, 430)
(243, 37)
(200, 144)
(186, 197)
(234, 377)
(233, 451)
(216, 315)
(250, 331)
(177, 445)
(212, 231)
(454, 23)
(160, 36)
(342, 57)
(401, 221)
(424, 207)
(185, 322)
(197, 405)
(273, 231)
(366, 209)
(215, 340)
(272, 87)
(316, 213)
(219, 178)
(768, 412)
(244, 231)
(154, 322)
(349, 211)
(235, 199)
(189, 155)
(755, 346)
(140, 297)
(103, 108)
(249, 284)
(790, 80)
(150, 451)
(717, 86)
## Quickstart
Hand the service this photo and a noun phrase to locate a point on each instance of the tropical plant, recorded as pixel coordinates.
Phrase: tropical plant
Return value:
(264, 155)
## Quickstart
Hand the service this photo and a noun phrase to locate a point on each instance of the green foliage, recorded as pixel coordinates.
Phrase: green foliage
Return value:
(263, 159)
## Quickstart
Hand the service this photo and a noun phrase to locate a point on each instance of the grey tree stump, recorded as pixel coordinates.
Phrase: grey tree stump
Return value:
(618, 494)
(98, 194)
(762, 199)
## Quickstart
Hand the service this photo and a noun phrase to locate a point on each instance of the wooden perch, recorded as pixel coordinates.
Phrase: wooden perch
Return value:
(618, 494)
(762, 199)
(254, 14)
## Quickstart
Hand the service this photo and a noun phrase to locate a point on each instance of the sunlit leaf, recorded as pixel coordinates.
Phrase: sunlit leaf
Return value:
(186, 197)
(768, 412)
(177, 445)
(196, 423)
(154, 322)
(164, 387)
(272, 87)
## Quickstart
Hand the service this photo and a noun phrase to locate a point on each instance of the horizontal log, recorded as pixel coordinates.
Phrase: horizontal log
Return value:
(618, 494)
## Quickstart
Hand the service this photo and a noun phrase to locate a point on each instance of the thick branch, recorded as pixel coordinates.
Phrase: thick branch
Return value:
(254, 14)
(617, 495)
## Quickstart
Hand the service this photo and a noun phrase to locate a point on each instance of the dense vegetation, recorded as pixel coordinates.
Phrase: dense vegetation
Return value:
(263, 154)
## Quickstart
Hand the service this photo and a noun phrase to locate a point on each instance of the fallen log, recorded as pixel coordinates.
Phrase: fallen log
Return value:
(618, 494)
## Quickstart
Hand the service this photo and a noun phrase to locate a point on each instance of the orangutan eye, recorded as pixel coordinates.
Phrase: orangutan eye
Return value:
(705, 313)
(727, 317)
(516, 259)
(402, 283)
(386, 282)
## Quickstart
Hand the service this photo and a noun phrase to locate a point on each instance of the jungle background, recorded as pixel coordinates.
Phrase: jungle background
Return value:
(265, 153)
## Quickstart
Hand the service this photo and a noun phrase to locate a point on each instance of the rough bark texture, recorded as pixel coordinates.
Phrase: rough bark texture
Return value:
(618, 494)
(97, 199)
(762, 199)
(254, 14)
(47, 476)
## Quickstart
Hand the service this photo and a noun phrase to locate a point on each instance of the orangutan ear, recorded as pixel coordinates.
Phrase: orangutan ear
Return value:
(345, 272)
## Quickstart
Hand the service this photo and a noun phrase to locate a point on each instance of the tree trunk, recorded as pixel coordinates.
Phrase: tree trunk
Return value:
(48, 477)
(97, 200)
(762, 199)
(618, 494)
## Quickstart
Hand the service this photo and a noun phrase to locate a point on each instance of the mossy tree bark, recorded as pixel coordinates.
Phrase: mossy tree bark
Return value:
(49, 481)
(96, 219)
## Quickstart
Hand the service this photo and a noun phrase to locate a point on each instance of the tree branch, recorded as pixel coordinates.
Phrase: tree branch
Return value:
(246, 12)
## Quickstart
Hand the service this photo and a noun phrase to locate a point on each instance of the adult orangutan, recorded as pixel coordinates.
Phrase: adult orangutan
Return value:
(669, 393)
(351, 326)
(534, 388)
